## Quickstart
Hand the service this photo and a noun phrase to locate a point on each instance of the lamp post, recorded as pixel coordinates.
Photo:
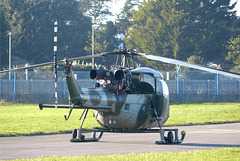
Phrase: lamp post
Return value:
(10, 48)
(93, 27)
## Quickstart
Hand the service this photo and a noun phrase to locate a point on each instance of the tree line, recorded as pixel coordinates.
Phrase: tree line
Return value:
(31, 25)
(195, 31)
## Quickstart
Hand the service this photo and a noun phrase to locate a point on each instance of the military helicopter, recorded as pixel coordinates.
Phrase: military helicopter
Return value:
(125, 99)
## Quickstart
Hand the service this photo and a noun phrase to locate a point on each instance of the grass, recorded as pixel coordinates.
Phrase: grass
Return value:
(203, 113)
(27, 119)
(231, 154)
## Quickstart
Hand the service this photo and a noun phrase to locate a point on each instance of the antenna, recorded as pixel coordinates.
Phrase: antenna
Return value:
(55, 61)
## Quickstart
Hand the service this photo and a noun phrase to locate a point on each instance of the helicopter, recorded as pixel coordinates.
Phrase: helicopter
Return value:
(125, 99)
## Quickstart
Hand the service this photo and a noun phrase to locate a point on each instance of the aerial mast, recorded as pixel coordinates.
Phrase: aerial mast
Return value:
(55, 61)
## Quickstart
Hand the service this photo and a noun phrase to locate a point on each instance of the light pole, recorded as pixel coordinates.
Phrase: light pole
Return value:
(10, 39)
(93, 27)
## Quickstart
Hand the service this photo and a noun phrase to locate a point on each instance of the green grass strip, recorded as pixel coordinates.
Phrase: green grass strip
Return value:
(203, 113)
(221, 154)
(27, 119)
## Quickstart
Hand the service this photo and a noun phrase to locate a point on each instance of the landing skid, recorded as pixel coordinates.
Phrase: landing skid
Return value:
(79, 137)
(171, 138)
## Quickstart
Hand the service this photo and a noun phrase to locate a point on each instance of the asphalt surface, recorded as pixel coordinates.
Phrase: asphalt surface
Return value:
(197, 137)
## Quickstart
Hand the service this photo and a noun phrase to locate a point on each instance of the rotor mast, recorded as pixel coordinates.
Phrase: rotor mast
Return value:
(123, 59)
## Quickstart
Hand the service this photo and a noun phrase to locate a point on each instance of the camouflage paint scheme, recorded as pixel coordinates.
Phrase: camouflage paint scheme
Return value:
(128, 111)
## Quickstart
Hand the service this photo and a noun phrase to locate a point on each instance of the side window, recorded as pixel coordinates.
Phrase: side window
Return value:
(165, 89)
(159, 87)
(149, 79)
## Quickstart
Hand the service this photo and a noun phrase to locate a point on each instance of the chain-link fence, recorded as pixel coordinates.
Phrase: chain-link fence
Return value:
(192, 86)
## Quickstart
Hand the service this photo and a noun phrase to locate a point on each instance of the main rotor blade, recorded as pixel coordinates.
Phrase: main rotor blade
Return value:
(88, 56)
(28, 67)
(51, 63)
(190, 65)
(99, 55)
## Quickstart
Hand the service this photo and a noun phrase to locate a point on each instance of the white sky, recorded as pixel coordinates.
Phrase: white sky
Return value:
(237, 7)
(116, 8)
(119, 4)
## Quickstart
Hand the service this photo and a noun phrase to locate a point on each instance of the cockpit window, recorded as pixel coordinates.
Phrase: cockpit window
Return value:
(159, 89)
(149, 79)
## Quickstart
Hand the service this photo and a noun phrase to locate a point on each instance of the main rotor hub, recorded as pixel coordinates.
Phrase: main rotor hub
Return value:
(123, 58)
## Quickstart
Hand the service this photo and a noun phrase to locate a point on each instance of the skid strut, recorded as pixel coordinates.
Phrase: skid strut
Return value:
(81, 138)
(170, 139)
(77, 135)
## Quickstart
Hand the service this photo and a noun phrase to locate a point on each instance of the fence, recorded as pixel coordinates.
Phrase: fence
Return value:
(36, 91)
(204, 90)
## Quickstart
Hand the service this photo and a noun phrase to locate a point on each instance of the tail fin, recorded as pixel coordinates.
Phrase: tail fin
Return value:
(73, 88)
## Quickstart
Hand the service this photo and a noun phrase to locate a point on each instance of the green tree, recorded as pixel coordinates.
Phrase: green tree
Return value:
(105, 40)
(206, 28)
(96, 9)
(155, 29)
(124, 18)
(4, 28)
(196, 60)
(31, 23)
(182, 28)
(234, 52)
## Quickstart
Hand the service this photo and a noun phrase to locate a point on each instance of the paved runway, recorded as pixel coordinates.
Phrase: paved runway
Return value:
(197, 137)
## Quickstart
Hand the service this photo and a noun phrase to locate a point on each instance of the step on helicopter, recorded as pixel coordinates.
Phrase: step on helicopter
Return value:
(125, 99)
